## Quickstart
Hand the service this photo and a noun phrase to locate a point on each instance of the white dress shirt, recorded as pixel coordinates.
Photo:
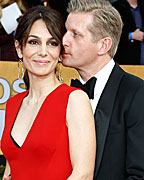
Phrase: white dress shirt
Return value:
(102, 77)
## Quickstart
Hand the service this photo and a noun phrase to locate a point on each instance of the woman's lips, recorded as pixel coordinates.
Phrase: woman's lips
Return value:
(41, 62)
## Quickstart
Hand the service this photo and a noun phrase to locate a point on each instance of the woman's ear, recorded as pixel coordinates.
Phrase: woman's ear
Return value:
(18, 49)
(104, 46)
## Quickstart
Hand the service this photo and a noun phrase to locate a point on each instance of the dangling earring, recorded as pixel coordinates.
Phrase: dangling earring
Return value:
(59, 74)
(20, 69)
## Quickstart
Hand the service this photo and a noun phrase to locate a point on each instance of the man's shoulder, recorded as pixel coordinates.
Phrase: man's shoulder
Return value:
(132, 80)
(127, 79)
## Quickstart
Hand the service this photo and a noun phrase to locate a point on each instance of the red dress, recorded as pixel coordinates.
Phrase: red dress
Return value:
(44, 154)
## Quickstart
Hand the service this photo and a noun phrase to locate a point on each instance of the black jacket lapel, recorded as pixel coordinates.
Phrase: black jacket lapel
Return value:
(104, 110)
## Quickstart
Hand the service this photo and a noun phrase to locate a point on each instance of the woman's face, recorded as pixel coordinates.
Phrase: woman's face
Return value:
(41, 52)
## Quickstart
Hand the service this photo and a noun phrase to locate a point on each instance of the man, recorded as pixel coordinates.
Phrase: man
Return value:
(90, 42)
(131, 46)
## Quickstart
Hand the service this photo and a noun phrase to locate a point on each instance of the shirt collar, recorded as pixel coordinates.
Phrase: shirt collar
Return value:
(104, 73)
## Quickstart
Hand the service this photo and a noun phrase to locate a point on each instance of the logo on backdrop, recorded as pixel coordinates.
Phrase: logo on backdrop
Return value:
(6, 93)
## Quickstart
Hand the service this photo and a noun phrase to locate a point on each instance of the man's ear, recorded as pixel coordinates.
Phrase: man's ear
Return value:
(104, 45)
(18, 49)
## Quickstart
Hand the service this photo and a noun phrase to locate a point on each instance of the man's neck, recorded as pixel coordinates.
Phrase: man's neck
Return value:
(133, 3)
(87, 72)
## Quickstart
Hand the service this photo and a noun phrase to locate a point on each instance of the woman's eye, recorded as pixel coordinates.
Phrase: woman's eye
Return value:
(33, 42)
(53, 43)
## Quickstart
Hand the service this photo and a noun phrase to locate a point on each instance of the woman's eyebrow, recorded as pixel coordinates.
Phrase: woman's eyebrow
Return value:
(34, 36)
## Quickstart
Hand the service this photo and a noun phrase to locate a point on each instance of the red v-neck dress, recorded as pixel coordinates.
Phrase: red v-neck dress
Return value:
(44, 154)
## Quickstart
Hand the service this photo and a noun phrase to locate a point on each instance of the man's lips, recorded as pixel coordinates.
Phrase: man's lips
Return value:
(66, 54)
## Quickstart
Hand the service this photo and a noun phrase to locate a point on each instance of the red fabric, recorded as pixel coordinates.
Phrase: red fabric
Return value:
(45, 152)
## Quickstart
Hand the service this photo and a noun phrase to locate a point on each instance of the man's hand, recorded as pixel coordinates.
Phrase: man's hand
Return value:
(138, 35)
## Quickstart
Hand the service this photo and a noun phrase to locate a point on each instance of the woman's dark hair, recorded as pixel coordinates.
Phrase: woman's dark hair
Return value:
(54, 22)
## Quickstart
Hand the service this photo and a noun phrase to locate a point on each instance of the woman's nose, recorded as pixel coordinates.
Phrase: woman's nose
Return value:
(43, 51)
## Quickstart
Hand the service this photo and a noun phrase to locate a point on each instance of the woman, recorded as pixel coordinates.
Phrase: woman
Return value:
(49, 129)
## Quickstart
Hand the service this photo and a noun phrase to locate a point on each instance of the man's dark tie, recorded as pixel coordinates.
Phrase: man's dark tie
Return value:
(88, 87)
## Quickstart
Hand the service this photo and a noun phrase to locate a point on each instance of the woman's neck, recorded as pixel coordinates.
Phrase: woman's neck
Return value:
(40, 87)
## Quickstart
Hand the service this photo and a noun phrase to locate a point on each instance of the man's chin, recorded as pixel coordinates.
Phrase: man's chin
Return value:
(65, 63)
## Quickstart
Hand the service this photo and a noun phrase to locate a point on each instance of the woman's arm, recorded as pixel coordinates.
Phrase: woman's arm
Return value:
(7, 172)
(82, 138)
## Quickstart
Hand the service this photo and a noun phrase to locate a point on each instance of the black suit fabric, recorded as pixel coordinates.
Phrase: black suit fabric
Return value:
(119, 121)
(128, 52)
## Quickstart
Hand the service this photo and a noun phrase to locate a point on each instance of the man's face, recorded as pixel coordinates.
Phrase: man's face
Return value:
(80, 51)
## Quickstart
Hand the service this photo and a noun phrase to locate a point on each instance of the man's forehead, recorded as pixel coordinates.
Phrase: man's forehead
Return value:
(78, 20)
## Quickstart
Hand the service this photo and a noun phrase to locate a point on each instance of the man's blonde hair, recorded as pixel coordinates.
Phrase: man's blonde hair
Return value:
(107, 21)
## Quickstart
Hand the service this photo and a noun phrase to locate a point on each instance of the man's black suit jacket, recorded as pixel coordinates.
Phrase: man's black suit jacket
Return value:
(119, 120)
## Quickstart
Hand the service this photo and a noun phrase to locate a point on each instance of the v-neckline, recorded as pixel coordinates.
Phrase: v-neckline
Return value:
(35, 118)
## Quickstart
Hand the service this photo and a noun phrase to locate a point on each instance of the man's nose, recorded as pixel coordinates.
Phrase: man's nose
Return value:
(65, 40)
